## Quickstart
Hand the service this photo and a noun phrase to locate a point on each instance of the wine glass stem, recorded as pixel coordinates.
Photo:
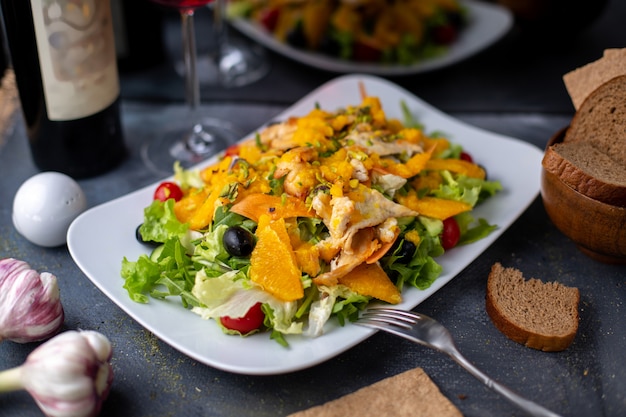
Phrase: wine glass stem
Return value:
(220, 21)
(219, 34)
(192, 87)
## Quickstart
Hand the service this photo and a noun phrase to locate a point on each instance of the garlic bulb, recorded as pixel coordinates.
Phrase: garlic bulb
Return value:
(30, 304)
(70, 375)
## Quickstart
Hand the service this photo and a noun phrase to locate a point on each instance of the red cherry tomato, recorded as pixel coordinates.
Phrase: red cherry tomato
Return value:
(252, 320)
(466, 157)
(167, 190)
(232, 150)
(451, 233)
(364, 52)
(269, 18)
(445, 35)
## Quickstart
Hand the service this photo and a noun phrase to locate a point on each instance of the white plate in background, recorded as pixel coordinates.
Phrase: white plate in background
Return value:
(487, 23)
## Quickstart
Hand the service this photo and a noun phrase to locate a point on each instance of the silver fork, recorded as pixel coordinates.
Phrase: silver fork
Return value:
(426, 331)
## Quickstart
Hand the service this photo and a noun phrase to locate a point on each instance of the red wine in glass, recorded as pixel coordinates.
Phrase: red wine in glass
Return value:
(183, 4)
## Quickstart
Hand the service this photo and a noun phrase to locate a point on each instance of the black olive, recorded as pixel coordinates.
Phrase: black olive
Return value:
(330, 46)
(456, 19)
(295, 37)
(238, 241)
(405, 252)
(140, 238)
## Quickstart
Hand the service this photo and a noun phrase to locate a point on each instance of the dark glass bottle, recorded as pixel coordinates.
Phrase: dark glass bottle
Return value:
(63, 56)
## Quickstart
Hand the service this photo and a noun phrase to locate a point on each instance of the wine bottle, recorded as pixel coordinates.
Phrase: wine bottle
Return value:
(63, 56)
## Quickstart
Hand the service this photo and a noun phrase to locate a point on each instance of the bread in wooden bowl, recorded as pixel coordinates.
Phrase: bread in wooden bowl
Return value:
(597, 228)
(591, 157)
(540, 315)
(588, 170)
(581, 81)
(601, 120)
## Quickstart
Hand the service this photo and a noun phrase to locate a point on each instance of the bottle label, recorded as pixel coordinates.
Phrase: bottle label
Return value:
(77, 56)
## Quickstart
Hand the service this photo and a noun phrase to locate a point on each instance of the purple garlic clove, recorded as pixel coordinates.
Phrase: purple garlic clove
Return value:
(30, 304)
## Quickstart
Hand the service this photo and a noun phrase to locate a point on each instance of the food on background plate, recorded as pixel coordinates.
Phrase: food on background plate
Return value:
(312, 218)
(408, 394)
(380, 31)
(539, 315)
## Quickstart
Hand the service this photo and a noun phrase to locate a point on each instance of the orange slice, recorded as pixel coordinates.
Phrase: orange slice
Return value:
(371, 280)
(253, 206)
(273, 264)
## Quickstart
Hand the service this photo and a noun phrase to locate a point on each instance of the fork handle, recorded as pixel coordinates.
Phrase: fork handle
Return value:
(532, 408)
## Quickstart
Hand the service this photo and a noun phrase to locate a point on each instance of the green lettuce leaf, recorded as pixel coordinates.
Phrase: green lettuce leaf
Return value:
(171, 273)
(160, 222)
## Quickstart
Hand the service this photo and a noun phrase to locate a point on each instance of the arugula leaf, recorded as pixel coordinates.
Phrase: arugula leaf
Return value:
(471, 232)
(409, 119)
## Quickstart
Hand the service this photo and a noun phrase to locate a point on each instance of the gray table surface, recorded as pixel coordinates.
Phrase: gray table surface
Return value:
(514, 88)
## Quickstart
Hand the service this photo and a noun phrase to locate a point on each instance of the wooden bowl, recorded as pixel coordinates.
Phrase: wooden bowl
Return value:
(598, 229)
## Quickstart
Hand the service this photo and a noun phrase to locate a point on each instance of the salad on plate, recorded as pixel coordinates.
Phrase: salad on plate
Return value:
(313, 218)
(400, 32)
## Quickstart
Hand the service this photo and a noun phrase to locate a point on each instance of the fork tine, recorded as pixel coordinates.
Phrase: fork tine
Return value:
(387, 316)
(391, 313)
(398, 322)
(384, 323)
(398, 329)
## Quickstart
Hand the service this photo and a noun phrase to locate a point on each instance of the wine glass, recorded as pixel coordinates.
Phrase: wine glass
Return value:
(234, 62)
(239, 62)
(201, 136)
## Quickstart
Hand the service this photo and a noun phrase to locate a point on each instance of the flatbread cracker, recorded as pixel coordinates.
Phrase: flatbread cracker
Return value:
(409, 394)
(611, 52)
(582, 81)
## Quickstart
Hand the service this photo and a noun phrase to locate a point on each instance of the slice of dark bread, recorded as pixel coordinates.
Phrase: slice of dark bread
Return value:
(540, 315)
(601, 120)
(583, 80)
(587, 170)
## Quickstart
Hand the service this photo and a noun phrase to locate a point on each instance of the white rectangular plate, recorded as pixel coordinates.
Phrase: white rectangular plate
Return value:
(100, 237)
(487, 23)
